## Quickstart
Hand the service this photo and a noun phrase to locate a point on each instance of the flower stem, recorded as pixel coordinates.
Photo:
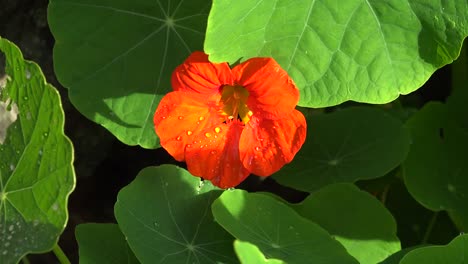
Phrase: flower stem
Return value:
(25, 260)
(429, 228)
(63, 259)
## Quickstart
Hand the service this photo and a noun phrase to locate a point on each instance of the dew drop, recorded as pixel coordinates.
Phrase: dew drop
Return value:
(25, 98)
(207, 134)
(213, 152)
(163, 117)
(217, 129)
(189, 132)
(250, 114)
(202, 146)
(180, 117)
(28, 74)
(189, 146)
(257, 148)
(261, 139)
(45, 134)
(12, 167)
(179, 138)
(201, 118)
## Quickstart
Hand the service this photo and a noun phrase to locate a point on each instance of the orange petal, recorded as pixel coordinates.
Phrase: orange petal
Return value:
(267, 145)
(198, 74)
(214, 155)
(272, 93)
(178, 119)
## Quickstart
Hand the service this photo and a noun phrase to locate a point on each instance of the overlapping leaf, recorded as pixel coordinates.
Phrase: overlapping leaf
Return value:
(250, 254)
(456, 252)
(165, 215)
(276, 229)
(367, 51)
(344, 146)
(103, 243)
(36, 173)
(356, 219)
(116, 57)
(435, 170)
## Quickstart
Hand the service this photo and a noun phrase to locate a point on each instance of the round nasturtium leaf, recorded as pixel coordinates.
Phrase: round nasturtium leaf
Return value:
(276, 229)
(248, 253)
(116, 57)
(355, 218)
(456, 252)
(345, 146)
(165, 215)
(103, 244)
(36, 172)
(361, 50)
(435, 170)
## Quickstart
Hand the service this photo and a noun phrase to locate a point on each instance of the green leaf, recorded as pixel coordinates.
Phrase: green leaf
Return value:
(346, 146)
(456, 252)
(356, 219)
(116, 57)
(250, 254)
(36, 172)
(103, 243)
(366, 51)
(277, 230)
(435, 169)
(165, 215)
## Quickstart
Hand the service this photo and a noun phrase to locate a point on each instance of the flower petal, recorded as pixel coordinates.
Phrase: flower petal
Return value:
(198, 74)
(267, 145)
(272, 93)
(179, 117)
(214, 155)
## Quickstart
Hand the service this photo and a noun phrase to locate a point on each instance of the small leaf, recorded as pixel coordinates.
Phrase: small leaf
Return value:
(36, 172)
(116, 57)
(354, 218)
(345, 146)
(435, 170)
(103, 243)
(366, 51)
(250, 254)
(456, 252)
(165, 215)
(277, 230)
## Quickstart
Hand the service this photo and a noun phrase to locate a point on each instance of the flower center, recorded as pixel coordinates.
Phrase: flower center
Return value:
(234, 100)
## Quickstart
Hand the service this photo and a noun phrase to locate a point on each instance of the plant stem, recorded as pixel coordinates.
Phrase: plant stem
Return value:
(60, 255)
(25, 260)
(429, 228)
(383, 197)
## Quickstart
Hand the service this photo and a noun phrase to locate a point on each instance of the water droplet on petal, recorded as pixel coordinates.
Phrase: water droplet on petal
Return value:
(250, 114)
(189, 132)
(261, 139)
(217, 129)
(201, 118)
(257, 148)
(213, 152)
(201, 146)
(207, 134)
(189, 146)
(163, 117)
(180, 117)
(179, 138)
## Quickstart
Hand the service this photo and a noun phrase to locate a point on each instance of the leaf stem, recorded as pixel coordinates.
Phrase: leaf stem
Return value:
(60, 255)
(429, 228)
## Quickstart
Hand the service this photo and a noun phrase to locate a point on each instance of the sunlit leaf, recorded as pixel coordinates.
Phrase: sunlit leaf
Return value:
(276, 229)
(36, 173)
(250, 254)
(165, 215)
(367, 51)
(103, 243)
(356, 219)
(346, 146)
(116, 57)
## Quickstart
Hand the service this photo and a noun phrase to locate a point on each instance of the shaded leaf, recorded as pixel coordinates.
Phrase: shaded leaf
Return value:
(116, 57)
(103, 243)
(366, 51)
(165, 215)
(345, 146)
(276, 229)
(36, 172)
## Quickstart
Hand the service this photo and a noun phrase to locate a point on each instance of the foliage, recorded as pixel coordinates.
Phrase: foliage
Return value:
(334, 203)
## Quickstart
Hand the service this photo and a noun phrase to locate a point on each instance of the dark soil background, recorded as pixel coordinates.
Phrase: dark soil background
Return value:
(104, 165)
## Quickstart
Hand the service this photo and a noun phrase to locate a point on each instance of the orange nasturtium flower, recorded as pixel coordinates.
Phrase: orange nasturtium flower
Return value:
(227, 123)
